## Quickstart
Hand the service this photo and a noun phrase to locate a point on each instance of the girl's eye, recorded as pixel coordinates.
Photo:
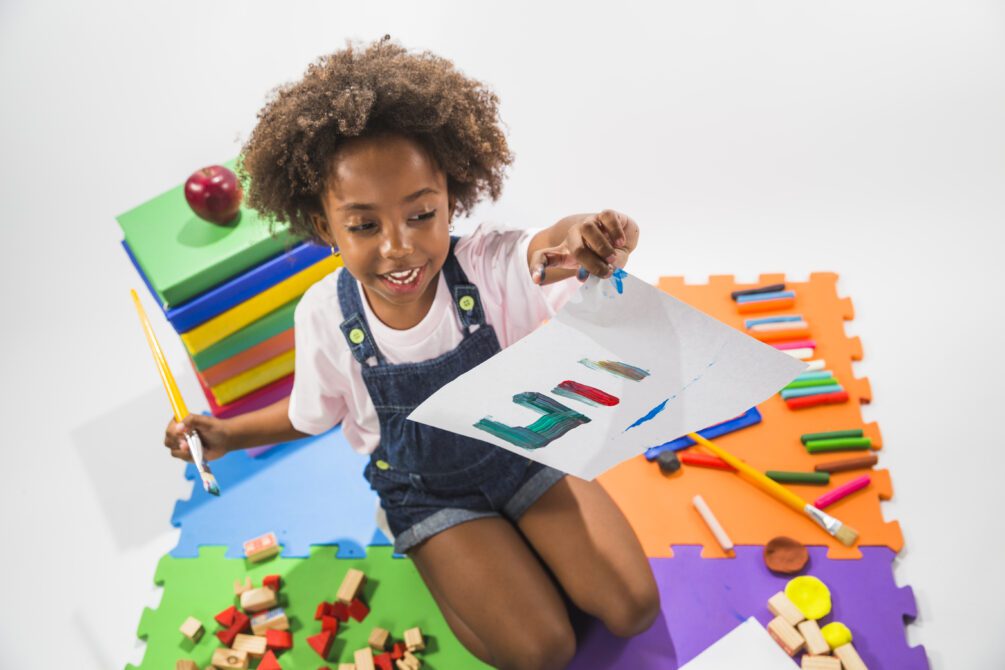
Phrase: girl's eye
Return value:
(365, 227)
(425, 216)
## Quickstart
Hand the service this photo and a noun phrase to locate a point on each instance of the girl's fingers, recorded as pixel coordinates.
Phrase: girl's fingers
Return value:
(612, 224)
(596, 238)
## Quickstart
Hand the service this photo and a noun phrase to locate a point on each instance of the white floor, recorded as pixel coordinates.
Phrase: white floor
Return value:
(784, 135)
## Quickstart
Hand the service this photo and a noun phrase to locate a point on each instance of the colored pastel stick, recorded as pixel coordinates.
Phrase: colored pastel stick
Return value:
(843, 491)
(713, 524)
(795, 344)
(771, 288)
(801, 354)
(813, 390)
(815, 365)
(840, 444)
(762, 320)
(766, 327)
(831, 435)
(749, 418)
(814, 374)
(826, 380)
(779, 335)
(816, 400)
(756, 297)
(704, 461)
(765, 305)
(787, 477)
(848, 464)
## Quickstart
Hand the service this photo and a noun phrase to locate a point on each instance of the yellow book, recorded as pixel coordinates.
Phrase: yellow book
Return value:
(255, 378)
(207, 334)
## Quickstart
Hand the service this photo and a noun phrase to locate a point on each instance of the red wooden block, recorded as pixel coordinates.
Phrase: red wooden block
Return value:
(323, 610)
(383, 661)
(227, 635)
(329, 623)
(269, 662)
(278, 639)
(340, 611)
(358, 610)
(322, 643)
(272, 582)
(226, 617)
(241, 621)
(397, 651)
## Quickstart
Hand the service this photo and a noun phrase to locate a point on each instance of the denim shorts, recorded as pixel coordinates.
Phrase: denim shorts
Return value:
(420, 506)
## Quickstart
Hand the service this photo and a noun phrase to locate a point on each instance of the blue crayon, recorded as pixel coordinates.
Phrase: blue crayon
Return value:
(820, 374)
(749, 418)
(812, 390)
(766, 296)
(749, 323)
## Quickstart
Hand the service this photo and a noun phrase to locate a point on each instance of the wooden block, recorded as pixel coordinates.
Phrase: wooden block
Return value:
(259, 599)
(364, 659)
(820, 663)
(378, 639)
(272, 582)
(322, 643)
(274, 619)
(346, 666)
(255, 645)
(849, 657)
(269, 662)
(226, 617)
(230, 659)
(240, 587)
(785, 635)
(414, 641)
(358, 610)
(816, 645)
(261, 547)
(413, 661)
(186, 664)
(278, 639)
(192, 629)
(780, 605)
(351, 584)
(397, 650)
(383, 661)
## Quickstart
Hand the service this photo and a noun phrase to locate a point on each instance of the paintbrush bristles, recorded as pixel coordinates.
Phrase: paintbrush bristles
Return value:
(846, 535)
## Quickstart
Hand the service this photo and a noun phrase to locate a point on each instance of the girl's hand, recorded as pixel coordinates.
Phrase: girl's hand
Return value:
(212, 432)
(598, 244)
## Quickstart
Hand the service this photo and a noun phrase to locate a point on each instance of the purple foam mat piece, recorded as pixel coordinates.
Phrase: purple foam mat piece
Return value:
(702, 599)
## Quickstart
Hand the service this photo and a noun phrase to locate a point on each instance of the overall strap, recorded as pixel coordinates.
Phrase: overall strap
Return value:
(467, 302)
(355, 329)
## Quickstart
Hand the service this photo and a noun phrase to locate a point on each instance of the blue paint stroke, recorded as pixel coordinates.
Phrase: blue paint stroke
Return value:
(617, 278)
(659, 408)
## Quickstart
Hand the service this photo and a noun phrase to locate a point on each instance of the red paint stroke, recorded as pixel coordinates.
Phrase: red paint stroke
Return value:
(589, 392)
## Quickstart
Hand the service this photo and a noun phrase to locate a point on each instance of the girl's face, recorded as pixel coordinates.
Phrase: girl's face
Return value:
(388, 212)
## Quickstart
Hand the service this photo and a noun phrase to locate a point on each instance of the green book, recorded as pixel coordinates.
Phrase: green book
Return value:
(183, 256)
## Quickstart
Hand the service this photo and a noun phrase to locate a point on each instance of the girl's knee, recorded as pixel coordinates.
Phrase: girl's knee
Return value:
(636, 611)
(546, 648)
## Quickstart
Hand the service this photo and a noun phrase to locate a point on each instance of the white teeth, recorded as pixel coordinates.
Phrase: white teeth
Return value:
(404, 277)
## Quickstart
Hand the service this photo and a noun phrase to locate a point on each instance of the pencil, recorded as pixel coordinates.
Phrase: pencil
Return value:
(844, 534)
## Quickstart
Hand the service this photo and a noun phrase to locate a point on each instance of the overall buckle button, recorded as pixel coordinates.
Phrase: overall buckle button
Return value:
(467, 303)
(356, 335)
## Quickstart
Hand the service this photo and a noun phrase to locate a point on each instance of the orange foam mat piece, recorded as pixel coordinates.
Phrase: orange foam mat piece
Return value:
(659, 506)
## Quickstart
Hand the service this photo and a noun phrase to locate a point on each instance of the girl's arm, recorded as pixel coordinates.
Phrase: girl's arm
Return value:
(597, 242)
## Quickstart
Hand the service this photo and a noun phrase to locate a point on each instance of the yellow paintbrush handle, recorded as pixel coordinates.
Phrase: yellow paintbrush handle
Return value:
(761, 481)
(174, 395)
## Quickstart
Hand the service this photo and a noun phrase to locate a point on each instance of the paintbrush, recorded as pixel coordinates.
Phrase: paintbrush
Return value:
(843, 533)
(174, 396)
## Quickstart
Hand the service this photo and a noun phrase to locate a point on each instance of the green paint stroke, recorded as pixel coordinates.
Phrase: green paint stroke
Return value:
(557, 420)
(618, 369)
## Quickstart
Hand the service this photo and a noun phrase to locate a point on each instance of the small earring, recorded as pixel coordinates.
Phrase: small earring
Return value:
(450, 228)
(335, 252)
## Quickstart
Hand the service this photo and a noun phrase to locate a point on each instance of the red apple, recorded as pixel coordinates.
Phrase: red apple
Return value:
(214, 194)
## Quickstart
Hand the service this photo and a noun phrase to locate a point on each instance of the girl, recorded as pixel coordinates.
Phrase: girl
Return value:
(374, 152)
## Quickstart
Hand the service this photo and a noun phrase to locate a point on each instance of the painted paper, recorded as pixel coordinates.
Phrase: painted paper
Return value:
(621, 368)
(748, 646)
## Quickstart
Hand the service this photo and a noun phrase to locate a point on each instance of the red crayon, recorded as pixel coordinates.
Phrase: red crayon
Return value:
(820, 399)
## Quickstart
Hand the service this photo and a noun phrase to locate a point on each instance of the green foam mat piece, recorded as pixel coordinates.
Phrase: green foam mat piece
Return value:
(203, 586)
(183, 256)
(254, 333)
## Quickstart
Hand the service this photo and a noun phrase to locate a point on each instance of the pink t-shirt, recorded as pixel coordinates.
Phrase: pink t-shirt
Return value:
(328, 385)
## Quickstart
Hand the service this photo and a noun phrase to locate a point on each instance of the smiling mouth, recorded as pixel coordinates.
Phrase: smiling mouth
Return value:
(403, 278)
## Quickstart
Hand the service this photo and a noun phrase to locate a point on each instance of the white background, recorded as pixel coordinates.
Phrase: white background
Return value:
(866, 138)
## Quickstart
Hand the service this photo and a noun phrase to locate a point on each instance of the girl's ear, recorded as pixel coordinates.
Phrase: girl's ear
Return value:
(321, 228)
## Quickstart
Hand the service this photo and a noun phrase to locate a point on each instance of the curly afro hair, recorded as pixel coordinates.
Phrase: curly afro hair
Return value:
(379, 88)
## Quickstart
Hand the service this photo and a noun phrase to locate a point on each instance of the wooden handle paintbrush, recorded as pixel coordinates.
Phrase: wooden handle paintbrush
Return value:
(174, 396)
(844, 534)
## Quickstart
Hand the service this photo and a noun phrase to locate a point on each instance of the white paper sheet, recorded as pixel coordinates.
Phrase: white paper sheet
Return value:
(705, 371)
(748, 646)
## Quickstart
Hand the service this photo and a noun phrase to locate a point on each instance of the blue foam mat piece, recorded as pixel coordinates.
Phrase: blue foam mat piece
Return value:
(310, 491)
(219, 299)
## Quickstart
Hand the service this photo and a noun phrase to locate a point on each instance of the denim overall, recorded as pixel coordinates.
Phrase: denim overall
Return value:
(430, 479)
